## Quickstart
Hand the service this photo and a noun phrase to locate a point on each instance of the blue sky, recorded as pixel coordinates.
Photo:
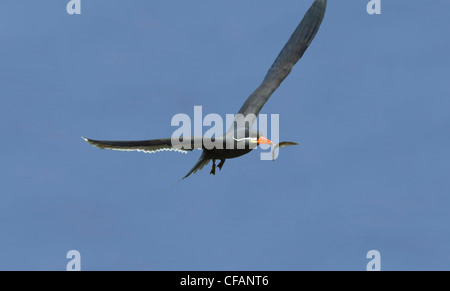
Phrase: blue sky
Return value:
(369, 103)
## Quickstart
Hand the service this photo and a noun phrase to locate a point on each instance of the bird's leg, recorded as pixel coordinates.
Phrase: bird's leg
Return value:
(220, 165)
(213, 170)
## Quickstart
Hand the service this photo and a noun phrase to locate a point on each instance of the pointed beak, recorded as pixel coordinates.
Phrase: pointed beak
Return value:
(263, 140)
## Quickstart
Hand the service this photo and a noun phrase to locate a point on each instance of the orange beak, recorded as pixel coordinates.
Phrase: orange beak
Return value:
(263, 140)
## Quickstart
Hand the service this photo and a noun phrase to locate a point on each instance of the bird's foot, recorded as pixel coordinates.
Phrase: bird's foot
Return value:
(213, 170)
(220, 165)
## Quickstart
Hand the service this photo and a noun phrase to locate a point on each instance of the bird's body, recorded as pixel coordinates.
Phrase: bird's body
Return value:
(240, 139)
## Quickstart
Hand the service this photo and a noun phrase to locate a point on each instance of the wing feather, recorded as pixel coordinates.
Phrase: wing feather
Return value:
(287, 58)
(147, 146)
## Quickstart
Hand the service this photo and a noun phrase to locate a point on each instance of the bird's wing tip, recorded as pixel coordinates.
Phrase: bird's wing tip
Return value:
(176, 182)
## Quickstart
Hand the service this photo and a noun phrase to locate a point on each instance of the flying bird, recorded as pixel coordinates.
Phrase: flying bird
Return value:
(240, 139)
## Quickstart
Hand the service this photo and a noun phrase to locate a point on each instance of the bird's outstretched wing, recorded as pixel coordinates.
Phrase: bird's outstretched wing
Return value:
(287, 58)
(156, 145)
(148, 146)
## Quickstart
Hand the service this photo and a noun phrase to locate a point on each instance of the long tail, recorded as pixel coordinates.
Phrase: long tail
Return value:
(202, 161)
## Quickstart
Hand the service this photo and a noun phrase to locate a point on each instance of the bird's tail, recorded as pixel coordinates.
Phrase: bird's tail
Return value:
(202, 161)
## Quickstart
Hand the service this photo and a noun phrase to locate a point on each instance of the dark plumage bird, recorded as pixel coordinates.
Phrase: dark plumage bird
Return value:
(240, 139)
